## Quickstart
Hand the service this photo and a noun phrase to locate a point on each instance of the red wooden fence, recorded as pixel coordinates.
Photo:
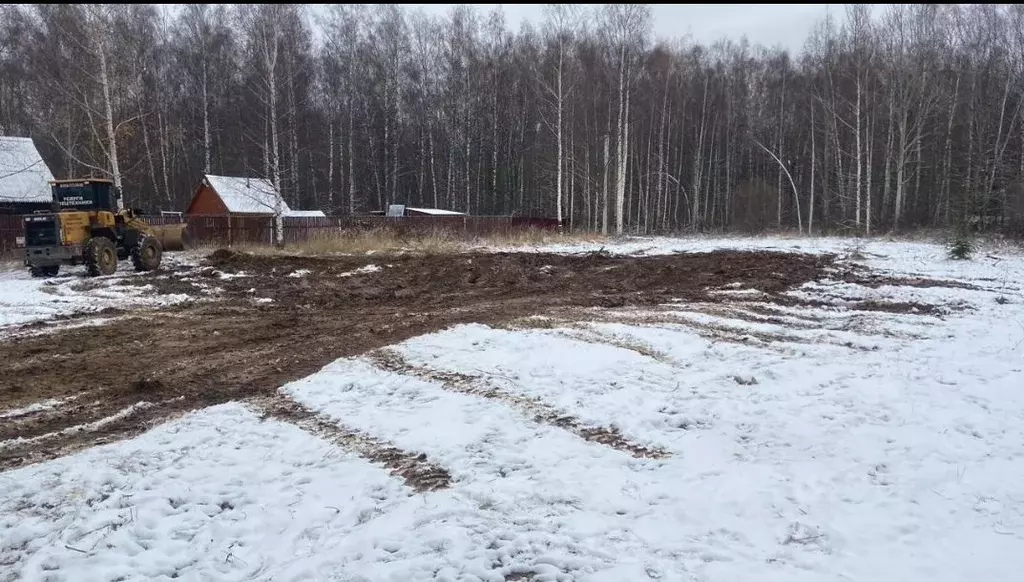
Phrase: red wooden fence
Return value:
(11, 227)
(233, 230)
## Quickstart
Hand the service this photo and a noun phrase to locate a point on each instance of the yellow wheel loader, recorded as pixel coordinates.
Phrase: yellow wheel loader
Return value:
(87, 227)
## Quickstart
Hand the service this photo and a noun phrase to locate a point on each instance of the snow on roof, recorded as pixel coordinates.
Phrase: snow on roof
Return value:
(24, 176)
(247, 195)
(435, 211)
(306, 214)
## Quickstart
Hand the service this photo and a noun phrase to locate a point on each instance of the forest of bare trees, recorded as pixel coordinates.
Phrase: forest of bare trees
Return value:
(898, 120)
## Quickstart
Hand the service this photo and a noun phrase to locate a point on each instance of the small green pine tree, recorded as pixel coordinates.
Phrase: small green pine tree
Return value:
(962, 245)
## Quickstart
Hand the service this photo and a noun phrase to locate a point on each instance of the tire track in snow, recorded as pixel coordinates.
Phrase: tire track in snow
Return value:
(16, 449)
(726, 325)
(579, 329)
(389, 360)
(34, 408)
(420, 474)
(654, 319)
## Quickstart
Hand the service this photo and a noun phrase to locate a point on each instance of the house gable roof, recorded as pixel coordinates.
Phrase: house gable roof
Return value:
(24, 176)
(246, 195)
(306, 214)
(435, 211)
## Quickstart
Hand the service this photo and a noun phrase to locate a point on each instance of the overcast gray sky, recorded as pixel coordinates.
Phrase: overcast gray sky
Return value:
(768, 24)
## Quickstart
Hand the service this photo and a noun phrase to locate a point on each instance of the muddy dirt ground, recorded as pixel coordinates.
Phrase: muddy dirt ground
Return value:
(277, 319)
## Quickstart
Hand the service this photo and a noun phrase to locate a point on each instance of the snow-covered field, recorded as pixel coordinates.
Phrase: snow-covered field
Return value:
(816, 444)
(25, 299)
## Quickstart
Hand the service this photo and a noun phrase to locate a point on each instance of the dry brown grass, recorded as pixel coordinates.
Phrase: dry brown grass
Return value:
(390, 241)
(537, 236)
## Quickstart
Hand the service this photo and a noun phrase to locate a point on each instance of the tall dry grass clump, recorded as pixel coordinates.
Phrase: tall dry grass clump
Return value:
(421, 241)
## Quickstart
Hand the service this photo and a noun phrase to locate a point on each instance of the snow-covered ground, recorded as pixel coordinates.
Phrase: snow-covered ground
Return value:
(818, 444)
(656, 245)
(900, 256)
(26, 299)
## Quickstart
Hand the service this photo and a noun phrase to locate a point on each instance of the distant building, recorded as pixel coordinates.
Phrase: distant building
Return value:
(431, 212)
(24, 177)
(396, 210)
(306, 214)
(239, 196)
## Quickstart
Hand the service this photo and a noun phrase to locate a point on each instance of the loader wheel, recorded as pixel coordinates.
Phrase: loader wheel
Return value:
(100, 256)
(147, 254)
(50, 271)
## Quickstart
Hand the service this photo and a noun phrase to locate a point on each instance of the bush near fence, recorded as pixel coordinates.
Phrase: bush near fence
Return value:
(222, 230)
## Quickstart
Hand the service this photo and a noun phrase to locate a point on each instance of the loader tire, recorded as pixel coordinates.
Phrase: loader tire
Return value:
(100, 256)
(147, 254)
(50, 271)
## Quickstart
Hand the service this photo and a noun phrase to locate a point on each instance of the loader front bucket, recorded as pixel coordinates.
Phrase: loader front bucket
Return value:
(171, 236)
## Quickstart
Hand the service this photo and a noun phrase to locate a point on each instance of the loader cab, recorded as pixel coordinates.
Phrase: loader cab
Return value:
(86, 195)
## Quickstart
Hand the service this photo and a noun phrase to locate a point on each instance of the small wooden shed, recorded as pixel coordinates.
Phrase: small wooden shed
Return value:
(235, 196)
(238, 209)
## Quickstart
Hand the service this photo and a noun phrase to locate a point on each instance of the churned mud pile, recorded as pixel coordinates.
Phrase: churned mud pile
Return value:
(271, 320)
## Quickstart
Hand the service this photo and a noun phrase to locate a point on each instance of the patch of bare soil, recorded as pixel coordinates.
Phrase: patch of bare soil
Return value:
(290, 316)
(540, 412)
(417, 471)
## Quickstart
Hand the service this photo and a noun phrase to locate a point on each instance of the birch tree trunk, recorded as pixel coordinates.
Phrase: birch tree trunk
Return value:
(433, 163)
(149, 157)
(620, 178)
(604, 190)
(572, 169)
(698, 157)
(558, 188)
(901, 165)
(948, 159)
(814, 155)
(620, 195)
(270, 62)
(206, 119)
(858, 160)
(351, 163)
(108, 108)
(330, 164)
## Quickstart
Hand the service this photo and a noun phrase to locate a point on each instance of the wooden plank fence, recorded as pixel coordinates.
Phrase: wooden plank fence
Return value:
(222, 230)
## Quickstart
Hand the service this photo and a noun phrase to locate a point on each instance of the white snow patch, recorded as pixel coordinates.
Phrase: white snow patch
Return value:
(300, 273)
(217, 495)
(36, 407)
(752, 293)
(222, 275)
(361, 271)
(24, 299)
